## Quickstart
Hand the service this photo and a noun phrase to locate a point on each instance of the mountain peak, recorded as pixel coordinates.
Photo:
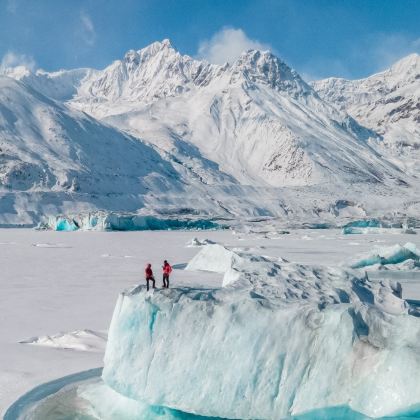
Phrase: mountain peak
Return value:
(264, 66)
(135, 57)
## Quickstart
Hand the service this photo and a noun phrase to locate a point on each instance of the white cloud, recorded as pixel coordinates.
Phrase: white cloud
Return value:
(227, 45)
(88, 31)
(12, 59)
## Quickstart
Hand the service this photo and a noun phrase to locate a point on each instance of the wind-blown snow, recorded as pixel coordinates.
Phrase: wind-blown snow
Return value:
(280, 339)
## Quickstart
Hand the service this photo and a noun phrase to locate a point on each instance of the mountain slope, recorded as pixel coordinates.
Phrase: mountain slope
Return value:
(388, 103)
(46, 146)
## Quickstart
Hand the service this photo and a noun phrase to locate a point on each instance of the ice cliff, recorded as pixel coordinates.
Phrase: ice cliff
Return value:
(278, 339)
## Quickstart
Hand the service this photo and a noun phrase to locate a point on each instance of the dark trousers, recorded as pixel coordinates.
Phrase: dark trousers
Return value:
(152, 279)
(166, 280)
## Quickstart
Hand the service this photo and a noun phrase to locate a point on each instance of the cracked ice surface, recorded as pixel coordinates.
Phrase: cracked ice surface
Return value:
(280, 338)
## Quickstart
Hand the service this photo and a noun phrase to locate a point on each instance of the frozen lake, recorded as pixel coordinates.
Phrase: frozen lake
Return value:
(54, 283)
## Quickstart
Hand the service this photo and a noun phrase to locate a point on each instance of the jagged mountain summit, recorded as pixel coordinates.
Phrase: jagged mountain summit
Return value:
(250, 137)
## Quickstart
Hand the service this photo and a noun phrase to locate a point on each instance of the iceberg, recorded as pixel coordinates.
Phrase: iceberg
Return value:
(396, 254)
(195, 242)
(376, 226)
(364, 231)
(278, 339)
(367, 223)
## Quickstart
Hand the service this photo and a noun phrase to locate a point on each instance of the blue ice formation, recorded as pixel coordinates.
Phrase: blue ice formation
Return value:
(279, 339)
(390, 255)
(376, 226)
(127, 222)
(66, 225)
(364, 223)
(362, 226)
(130, 222)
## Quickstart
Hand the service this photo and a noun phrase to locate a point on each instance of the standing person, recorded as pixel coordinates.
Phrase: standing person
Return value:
(167, 269)
(149, 276)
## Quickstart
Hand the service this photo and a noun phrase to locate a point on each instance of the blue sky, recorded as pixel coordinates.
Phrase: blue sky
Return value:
(319, 38)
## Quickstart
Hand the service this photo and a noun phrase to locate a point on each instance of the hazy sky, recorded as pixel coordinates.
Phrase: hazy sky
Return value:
(319, 38)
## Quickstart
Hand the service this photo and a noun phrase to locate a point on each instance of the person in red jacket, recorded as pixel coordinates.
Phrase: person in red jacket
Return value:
(167, 269)
(149, 276)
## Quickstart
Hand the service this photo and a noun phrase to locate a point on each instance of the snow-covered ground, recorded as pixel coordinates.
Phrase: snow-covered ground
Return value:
(58, 290)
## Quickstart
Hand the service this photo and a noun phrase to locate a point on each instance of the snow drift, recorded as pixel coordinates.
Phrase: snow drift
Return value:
(279, 339)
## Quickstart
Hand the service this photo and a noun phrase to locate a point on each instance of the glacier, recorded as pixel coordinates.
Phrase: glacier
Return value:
(114, 221)
(278, 339)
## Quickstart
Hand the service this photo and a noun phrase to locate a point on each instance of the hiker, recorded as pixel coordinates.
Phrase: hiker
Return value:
(149, 276)
(167, 269)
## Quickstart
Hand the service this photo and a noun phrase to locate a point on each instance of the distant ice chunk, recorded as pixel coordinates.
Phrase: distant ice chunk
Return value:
(389, 255)
(365, 223)
(195, 242)
(368, 230)
(376, 226)
(81, 340)
(281, 339)
(50, 245)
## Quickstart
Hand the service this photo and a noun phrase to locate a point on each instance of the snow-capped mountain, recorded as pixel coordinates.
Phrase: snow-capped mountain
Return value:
(250, 137)
(256, 118)
(388, 103)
